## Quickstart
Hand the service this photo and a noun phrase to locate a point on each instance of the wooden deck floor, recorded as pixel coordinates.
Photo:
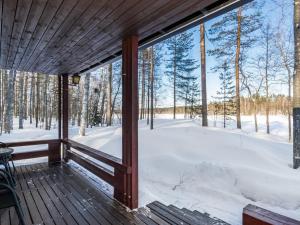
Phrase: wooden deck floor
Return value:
(60, 195)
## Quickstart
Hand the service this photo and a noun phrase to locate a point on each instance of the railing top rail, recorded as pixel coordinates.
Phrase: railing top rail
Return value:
(33, 142)
(99, 155)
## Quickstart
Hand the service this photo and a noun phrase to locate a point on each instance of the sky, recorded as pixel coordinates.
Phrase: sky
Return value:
(270, 13)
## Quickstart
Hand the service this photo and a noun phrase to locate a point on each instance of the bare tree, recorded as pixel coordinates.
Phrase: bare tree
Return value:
(268, 65)
(284, 44)
(253, 83)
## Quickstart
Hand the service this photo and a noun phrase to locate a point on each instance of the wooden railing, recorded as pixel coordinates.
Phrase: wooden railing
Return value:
(254, 215)
(116, 178)
(52, 151)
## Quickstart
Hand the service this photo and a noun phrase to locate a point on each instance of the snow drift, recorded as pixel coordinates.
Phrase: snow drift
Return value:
(206, 169)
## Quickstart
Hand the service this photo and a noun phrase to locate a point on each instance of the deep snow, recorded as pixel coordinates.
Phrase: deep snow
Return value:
(208, 169)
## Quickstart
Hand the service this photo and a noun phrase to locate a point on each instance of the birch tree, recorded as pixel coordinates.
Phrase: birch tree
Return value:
(9, 106)
(85, 106)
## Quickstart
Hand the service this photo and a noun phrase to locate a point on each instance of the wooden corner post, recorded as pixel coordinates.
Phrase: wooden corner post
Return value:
(54, 148)
(296, 89)
(65, 112)
(130, 119)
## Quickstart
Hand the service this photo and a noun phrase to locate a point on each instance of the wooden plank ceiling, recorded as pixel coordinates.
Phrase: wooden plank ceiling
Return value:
(69, 36)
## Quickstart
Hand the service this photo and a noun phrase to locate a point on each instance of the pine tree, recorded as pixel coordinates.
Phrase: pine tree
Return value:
(203, 75)
(226, 93)
(179, 64)
(232, 35)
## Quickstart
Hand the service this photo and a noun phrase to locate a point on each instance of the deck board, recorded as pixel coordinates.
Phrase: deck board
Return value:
(64, 195)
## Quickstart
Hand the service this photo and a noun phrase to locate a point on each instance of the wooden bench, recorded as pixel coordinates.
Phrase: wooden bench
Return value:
(254, 215)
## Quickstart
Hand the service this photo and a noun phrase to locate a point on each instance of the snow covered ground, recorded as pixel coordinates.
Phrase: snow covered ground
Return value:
(208, 169)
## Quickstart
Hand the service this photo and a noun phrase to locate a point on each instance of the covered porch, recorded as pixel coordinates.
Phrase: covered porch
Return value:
(73, 37)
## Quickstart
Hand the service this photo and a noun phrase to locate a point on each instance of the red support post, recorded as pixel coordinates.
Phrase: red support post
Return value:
(130, 119)
(65, 112)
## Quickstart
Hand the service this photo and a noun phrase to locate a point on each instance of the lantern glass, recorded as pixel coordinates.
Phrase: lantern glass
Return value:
(75, 79)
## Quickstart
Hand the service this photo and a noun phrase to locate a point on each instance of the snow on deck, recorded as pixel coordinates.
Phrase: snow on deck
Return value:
(206, 169)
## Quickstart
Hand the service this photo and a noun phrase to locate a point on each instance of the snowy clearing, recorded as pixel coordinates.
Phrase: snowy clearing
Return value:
(212, 170)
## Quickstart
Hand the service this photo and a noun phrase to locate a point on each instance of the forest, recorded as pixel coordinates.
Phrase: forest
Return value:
(246, 54)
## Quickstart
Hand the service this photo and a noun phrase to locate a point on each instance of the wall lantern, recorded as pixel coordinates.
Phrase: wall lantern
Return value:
(75, 79)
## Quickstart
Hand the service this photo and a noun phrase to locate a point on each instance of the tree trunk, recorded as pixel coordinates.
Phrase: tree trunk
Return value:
(174, 82)
(20, 100)
(79, 99)
(255, 115)
(45, 104)
(32, 98)
(267, 82)
(289, 103)
(116, 95)
(148, 95)
(102, 116)
(152, 88)
(9, 109)
(109, 97)
(5, 109)
(84, 111)
(25, 96)
(203, 75)
(237, 69)
(37, 99)
(142, 115)
(15, 100)
(296, 87)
